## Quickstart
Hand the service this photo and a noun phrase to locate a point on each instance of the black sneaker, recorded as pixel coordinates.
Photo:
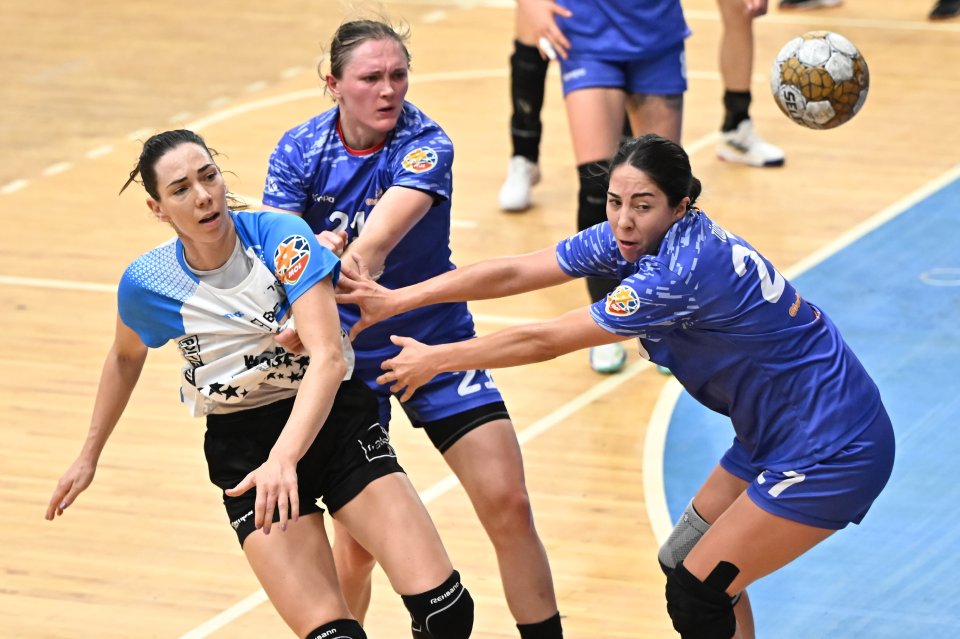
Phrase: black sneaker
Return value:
(809, 4)
(945, 9)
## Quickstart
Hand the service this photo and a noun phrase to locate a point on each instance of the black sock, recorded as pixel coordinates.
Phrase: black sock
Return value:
(528, 75)
(737, 109)
(547, 629)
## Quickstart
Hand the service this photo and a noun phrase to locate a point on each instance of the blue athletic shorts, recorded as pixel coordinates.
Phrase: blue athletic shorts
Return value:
(665, 74)
(830, 493)
(447, 407)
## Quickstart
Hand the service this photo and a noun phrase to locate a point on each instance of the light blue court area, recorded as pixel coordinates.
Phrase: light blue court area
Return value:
(895, 295)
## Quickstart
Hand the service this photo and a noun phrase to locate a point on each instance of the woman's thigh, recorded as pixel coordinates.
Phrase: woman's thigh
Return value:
(389, 520)
(295, 567)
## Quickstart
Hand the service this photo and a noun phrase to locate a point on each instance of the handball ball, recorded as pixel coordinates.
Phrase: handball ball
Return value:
(820, 80)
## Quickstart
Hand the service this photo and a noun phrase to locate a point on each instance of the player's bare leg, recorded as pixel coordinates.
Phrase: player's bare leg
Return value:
(354, 570)
(717, 494)
(774, 541)
(308, 596)
(488, 463)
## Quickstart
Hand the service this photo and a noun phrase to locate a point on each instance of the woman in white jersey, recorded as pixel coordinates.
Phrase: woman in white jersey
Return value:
(221, 289)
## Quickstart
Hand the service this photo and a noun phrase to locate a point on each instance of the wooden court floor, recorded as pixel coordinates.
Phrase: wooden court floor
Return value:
(146, 551)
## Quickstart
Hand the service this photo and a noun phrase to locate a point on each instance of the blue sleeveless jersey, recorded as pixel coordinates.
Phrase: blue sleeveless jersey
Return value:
(311, 170)
(623, 29)
(226, 336)
(737, 335)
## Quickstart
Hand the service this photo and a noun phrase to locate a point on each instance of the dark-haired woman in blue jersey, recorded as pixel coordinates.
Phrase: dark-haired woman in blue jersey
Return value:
(376, 173)
(814, 446)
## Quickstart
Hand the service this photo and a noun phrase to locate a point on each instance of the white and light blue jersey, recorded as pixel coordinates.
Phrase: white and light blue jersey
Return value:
(623, 29)
(736, 334)
(226, 336)
(312, 171)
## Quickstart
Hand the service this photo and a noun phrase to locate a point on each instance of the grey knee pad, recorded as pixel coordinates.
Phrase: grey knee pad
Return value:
(702, 609)
(688, 531)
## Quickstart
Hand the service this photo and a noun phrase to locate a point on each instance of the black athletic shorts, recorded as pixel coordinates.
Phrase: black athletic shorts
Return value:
(351, 450)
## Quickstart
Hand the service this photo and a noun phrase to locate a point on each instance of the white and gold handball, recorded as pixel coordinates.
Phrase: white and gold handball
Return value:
(820, 80)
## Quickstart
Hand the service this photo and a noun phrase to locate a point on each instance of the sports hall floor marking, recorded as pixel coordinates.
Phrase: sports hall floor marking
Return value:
(653, 447)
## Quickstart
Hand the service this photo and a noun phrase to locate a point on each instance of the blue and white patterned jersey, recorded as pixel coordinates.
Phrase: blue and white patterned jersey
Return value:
(312, 171)
(736, 334)
(226, 336)
(623, 29)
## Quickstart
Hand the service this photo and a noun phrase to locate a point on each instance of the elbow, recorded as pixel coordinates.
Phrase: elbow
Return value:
(542, 342)
(330, 363)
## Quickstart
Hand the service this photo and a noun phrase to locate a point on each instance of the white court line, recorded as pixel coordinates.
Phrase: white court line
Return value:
(653, 446)
(63, 285)
(14, 186)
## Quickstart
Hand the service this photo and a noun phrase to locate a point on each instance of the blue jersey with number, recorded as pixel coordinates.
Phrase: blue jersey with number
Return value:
(737, 335)
(226, 336)
(623, 29)
(312, 171)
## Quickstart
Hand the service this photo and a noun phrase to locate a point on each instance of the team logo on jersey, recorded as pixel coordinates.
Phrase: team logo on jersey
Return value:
(291, 258)
(420, 160)
(623, 301)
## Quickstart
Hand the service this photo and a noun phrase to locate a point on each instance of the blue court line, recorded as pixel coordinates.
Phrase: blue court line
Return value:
(895, 295)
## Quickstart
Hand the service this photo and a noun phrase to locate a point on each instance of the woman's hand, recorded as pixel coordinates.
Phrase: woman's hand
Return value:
(755, 8)
(356, 286)
(410, 369)
(289, 340)
(276, 485)
(542, 16)
(336, 241)
(74, 481)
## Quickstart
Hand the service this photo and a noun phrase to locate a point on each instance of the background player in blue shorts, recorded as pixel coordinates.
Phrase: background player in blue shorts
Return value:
(614, 55)
(220, 290)
(739, 141)
(813, 447)
(377, 171)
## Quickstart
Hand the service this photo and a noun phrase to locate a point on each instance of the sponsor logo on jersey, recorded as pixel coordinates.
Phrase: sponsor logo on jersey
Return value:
(623, 301)
(291, 258)
(420, 160)
(190, 349)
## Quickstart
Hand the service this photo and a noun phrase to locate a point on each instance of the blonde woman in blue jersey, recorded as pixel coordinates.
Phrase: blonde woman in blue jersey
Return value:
(221, 290)
(813, 444)
(375, 172)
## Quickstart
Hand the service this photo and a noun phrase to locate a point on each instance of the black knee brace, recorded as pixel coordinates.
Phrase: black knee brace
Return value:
(446, 612)
(591, 210)
(702, 609)
(339, 629)
(528, 74)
